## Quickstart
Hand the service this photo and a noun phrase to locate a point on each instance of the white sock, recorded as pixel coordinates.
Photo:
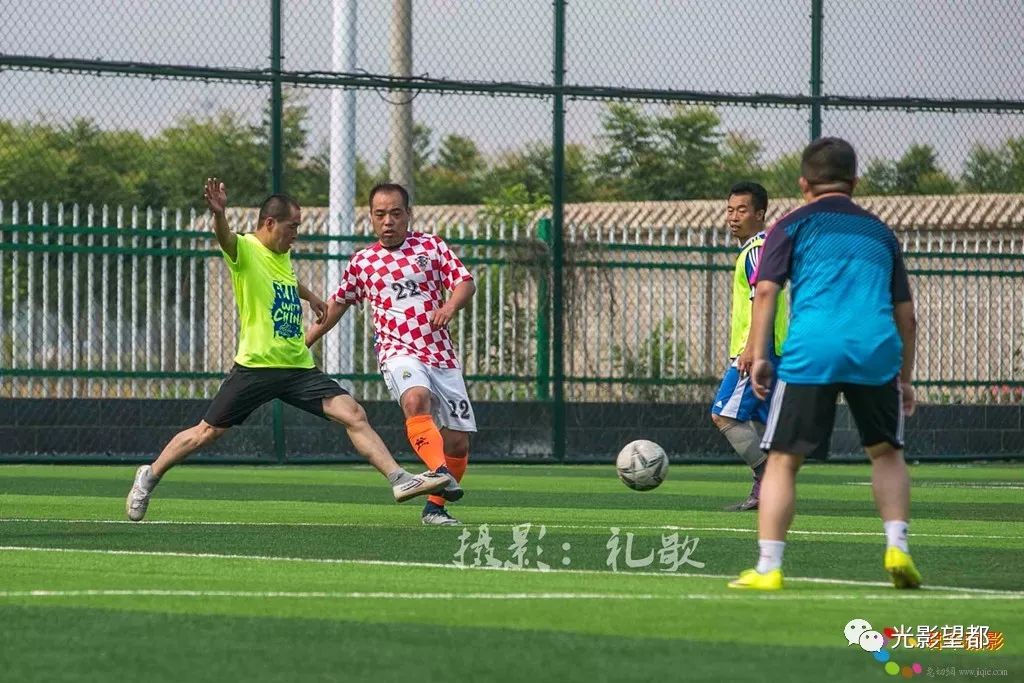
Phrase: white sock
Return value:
(896, 534)
(397, 476)
(771, 556)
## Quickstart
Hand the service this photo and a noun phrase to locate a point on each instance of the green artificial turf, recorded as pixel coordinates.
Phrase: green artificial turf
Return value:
(313, 573)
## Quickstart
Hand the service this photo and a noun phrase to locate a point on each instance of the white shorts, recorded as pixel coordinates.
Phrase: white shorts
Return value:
(449, 400)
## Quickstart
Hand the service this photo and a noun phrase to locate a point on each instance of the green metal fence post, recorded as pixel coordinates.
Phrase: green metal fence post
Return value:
(276, 173)
(817, 20)
(276, 101)
(544, 319)
(557, 236)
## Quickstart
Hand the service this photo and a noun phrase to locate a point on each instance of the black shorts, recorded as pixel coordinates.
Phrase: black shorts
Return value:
(801, 416)
(246, 389)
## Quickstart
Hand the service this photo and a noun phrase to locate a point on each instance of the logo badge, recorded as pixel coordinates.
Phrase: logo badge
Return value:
(422, 262)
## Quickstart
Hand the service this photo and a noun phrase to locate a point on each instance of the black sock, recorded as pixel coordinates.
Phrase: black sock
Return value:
(759, 470)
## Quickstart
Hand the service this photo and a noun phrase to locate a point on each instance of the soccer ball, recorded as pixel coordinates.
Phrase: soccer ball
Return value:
(642, 465)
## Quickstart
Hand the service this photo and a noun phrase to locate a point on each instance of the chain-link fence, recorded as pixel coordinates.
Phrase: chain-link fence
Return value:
(575, 154)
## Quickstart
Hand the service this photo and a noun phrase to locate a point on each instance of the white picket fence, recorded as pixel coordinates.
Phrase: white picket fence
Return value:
(130, 302)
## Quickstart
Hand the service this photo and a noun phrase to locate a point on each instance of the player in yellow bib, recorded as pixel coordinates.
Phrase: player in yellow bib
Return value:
(737, 412)
(273, 360)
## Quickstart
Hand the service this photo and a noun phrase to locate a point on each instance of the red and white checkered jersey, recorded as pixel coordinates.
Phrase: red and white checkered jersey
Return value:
(404, 286)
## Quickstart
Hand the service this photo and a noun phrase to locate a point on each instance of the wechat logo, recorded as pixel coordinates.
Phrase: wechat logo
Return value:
(859, 632)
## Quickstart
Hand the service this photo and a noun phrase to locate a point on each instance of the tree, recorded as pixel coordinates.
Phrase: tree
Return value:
(457, 176)
(690, 140)
(221, 146)
(579, 182)
(631, 152)
(33, 163)
(306, 176)
(514, 205)
(533, 168)
(986, 170)
(781, 177)
(680, 153)
(74, 163)
(995, 169)
(672, 157)
(226, 146)
(1015, 150)
(103, 166)
(310, 184)
(530, 167)
(740, 160)
(916, 172)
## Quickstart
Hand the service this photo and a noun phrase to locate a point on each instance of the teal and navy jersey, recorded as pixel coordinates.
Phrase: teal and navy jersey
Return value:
(845, 270)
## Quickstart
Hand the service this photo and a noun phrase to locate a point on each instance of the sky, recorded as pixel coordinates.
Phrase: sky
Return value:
(917, 48)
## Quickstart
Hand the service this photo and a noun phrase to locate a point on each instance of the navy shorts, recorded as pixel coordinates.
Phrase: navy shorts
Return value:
(802, 416)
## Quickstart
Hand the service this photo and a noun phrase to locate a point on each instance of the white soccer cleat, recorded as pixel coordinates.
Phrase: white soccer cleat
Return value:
(439, 518)
(419, 485)
(138, 497)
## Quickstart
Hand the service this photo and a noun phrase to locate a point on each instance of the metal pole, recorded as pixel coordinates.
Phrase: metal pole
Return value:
(817, 21)
(276, 175)
(338, 348)
(276, 101)
(543, 319)
(400, 157)
(557, 241)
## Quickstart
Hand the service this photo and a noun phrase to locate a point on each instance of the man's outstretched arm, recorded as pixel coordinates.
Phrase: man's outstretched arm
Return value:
(216, 200)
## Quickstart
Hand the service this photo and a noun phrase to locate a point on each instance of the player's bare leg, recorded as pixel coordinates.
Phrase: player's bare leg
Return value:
(890, 484)
(774, 516)
(347, 412)
(778, 493)
(184, 444)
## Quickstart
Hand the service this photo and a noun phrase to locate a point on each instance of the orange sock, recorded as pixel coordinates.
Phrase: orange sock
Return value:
(457, 466)
(426, 440)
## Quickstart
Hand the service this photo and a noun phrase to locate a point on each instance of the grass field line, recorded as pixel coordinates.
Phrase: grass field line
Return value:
(385, 595)
(451, 565)
(498, 525)
(926, 484)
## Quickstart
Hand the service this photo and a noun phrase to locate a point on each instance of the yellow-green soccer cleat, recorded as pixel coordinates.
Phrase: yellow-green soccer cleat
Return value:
(901, 567)
(752, 580)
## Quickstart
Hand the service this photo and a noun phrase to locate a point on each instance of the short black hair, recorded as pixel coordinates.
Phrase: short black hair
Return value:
(390, 187)
(831, 162)
(278, 206)
(757, 193)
